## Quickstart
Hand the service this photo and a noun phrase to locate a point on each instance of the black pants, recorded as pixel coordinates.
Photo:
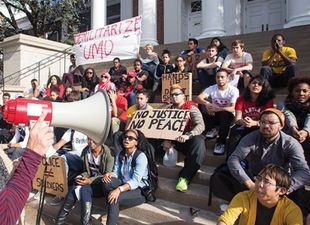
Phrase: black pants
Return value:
(195, 153)
(278, 80)
(223, 119)
(126, 199)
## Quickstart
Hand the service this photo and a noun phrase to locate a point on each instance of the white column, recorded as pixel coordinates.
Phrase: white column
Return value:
(126, 9)
(173, 21)
(98, 13)
(148, 8)
(298, 13)
(212, 18)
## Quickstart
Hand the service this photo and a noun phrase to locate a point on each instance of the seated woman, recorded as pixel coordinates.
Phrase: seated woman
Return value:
(89, 82)
(151, 60)
(105, 83)
(223, 51)
(97, 160)
(296, 110)
(122, 186)
(54, 81)
(257, 97)
(180, 65)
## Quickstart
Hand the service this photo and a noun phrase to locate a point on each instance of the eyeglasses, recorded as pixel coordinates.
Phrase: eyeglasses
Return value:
(257, 82)
(129, 138)
(271, 123)
(106, 77)
(175, 94)
(264, 181)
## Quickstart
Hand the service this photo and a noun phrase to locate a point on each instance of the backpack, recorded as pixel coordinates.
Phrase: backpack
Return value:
(152, 181)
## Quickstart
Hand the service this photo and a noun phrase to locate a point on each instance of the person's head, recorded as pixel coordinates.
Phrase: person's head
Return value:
(221, 78)
(137, 64)
(279, 39)
(180, 61)
(270, 123)
(177, 95)
(54, 80)
(72, 59)
(74, 96)
(93, 146)
(116, 62)
(54, 93)
(271, 183)
(299, 89)
(149, 48)
(142, 97)
(131, 77)
(260, 89)
(6, 97)
(166, 56)
(34, 83)
(192, 44)
(89, 73)
(237, 47)
(217, 41)
(133, 139)
(105, 77)
(212, 50)
(68, 90)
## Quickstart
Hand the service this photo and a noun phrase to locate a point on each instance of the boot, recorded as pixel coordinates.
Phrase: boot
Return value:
(64, 211)
(86, 213)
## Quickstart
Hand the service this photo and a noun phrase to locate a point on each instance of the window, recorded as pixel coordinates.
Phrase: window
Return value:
(196, 6)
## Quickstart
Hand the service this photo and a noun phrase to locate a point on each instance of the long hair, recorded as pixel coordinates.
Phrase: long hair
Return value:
(264, 96)
(142, 141)
(93, 79)
(296, 81)
(57, 78)
(221, 46)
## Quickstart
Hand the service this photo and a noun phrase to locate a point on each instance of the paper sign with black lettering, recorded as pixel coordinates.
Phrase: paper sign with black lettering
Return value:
(194, 59)
(160, 123)
(182, 79)
(120, 39)
(56, 182)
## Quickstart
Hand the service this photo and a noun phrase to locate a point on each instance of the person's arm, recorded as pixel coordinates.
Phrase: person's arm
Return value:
(240, 153)
(66, 137)
(300, 171)
(286, 58)
(139, 171)
(238, 118)
(14, 196)
(113, 97)
(202, 99)
(226, 64)
(268, 57)
(229, 108)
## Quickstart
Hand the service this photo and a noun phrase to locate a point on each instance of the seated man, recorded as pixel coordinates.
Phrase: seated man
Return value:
(117, 70)
(266, 203)
(269, 145)
(192, 48)
(191, 143)
(207, 68)
(219, 111)
(142, 75)
(142, 98)
(239, 63)
(279, 62)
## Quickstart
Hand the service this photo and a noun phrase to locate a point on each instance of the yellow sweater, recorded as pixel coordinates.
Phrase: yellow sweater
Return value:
(244, 204)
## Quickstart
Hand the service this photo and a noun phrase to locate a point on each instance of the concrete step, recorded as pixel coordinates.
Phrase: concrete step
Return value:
(196, 196)
(202, 177)
(160, 212)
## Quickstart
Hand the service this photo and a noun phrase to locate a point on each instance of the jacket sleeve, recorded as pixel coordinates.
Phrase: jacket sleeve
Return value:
(197, 123)
(14, 196)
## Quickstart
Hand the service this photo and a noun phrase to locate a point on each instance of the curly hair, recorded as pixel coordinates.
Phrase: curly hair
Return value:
(296, 81)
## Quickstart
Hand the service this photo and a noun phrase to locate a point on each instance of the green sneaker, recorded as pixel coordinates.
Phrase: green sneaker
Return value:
(182, 184)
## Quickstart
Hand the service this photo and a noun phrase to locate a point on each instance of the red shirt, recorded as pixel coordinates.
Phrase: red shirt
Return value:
(251, 109)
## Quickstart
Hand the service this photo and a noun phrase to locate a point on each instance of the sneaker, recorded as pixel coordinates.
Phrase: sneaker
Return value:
(182, 184)
(212, 133)
(57, 200)
(219, 149)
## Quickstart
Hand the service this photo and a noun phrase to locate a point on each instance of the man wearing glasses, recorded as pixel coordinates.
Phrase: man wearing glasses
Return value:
(191, 143)
(279, 62)
(266, 203)
(269, 145)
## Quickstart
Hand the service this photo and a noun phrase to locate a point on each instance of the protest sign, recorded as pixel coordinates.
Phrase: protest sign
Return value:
(160, 123)
(194, 59)
(120, 39)
(56, 182)
(182, 79)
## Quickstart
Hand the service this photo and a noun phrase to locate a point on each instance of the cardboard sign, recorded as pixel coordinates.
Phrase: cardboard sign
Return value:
(120, 39)
(193, 60)
(182, 79)
(160, 123)
(56, 182)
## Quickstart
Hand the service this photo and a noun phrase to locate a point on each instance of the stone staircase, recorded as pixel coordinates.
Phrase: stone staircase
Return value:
(173, 207)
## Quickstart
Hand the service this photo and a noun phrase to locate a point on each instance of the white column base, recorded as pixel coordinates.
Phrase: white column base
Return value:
(298, 21)
(211, 33)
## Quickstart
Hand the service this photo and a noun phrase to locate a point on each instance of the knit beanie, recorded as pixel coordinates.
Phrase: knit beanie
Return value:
(277, 112)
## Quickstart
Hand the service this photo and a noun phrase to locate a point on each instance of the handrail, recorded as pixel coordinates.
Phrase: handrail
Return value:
(35, 67)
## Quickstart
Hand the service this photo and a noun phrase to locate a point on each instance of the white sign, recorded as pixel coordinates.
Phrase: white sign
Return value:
(120, 39)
